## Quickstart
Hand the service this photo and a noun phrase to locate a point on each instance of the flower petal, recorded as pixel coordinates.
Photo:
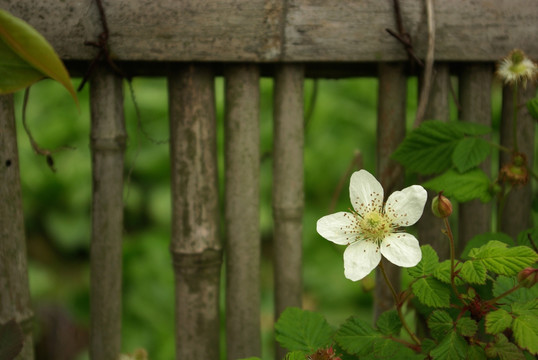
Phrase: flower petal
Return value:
(405, 207)
(401, 249)
(360, 258)
(338, 228)
(365, 192)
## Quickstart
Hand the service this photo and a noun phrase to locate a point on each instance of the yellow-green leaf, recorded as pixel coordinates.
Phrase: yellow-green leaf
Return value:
(29, 50)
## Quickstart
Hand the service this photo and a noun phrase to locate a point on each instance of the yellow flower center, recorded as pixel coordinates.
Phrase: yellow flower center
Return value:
(375, 226)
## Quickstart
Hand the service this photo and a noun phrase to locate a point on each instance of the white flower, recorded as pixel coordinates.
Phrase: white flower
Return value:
(372, 230)
(517, 67)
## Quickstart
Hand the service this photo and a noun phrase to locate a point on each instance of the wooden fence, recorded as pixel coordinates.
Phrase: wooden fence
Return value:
(191, 41)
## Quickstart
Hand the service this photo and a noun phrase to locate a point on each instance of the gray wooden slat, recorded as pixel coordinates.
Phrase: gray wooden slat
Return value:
(289, 30)
(195, 245)
(391, 125)
(108, 137)
(429, 227)
(15, 290)
(474, 217)
(288, 193)
(517, 207)
(242, 208)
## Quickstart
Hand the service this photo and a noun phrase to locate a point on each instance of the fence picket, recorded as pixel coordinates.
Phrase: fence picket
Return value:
(391, 124)
(108, 137)
(430, 227)
(15, 293)
(288, 193)
(475, 100)
(242, 211)
(517, 207)
(195, 245)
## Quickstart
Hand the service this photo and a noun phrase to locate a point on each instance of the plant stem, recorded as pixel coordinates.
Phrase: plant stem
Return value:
(514, 122)
(398, 305)
(508, 292)
(452, 256)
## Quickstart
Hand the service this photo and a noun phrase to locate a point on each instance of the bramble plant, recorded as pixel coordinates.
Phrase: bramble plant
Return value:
(484, 305)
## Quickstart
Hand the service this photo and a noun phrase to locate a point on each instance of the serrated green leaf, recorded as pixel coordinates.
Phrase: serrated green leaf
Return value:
(442, 272)
(389, 323)
(469, 153)
(482, 239)
(464, 187)
(525, 308)
(500, 259)
(525, 330)
(302, 330)
(502, 284)
(452, 347)
(356, 336)
(428, 149)
(503, 349)
(28, 44)
(440, 324)
(532, 106)
(466, 326)
(524, 237)
(473, 272)
(431, 292)
(497, 321)
(295, 355)
(427, 264)
(391, 350)
(476, 352)
(470, 128)
(427, 345)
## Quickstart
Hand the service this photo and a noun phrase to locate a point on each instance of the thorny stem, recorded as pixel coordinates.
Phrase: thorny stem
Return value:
(508, 292)
(452, 257)
(398, 305)
(514, 122)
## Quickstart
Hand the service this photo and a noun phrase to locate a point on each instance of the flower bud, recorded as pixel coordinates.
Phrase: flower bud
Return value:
(515, 172)
(528, 277)
(441, 206)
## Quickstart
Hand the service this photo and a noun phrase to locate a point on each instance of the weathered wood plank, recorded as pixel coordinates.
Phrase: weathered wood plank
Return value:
(108, 138)
(288, 192)
(391, 113)
(282, 30)
(242, 207)
(15, 303)
(195, 245)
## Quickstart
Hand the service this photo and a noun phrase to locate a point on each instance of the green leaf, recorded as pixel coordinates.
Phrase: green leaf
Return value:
(356, 336)
(466, 326)
(464, 187)
(524, 237)
(483, 239)
(15, 73)
(427, 264)
(440, 324)
(431, 292)
(30, 46)
(470, 152)
(476, 352)
(295, 355)
(502, 284)
(391, 350)
(428, 149)
(452, 347)
(497, 321)
(470, 128)
(525, 329)
(503, 349)
(389, 323)
(473, 272)
(442, 272)
(532, 106)
(302, 330)
(500, 259)
(527, 308)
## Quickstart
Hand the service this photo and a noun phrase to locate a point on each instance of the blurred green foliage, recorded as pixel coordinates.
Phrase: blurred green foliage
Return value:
(57, 205)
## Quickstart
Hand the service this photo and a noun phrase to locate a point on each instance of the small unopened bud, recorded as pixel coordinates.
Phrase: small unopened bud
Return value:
(441, 206)
(515, 172)
(528, 277)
